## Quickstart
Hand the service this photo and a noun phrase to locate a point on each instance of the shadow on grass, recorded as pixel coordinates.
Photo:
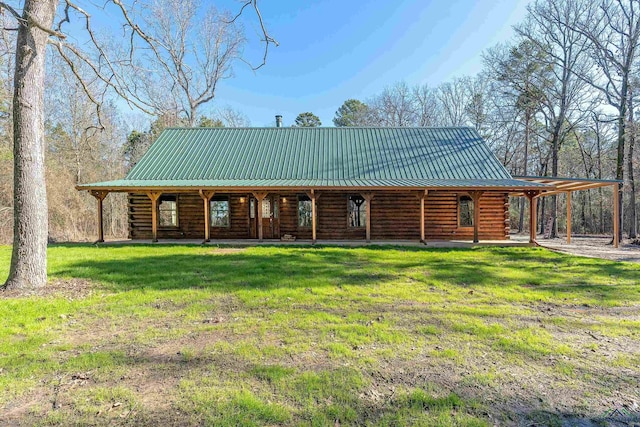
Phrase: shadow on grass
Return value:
(545, 272)
(228, 271)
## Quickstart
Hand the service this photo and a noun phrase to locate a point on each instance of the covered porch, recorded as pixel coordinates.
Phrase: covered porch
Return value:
(566, 187)
(451, 216)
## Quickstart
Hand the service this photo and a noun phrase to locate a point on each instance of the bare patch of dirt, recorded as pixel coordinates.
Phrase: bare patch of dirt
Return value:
(225, 251)
(594, 247)
(71, 289)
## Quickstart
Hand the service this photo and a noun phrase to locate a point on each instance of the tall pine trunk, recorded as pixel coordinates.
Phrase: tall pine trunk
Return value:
(29, 258)
(633, 215)
(555, 152)
(527, 119)
(600, 198)
(622, 110)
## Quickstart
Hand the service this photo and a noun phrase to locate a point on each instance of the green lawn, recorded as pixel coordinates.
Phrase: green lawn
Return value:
(192, 335)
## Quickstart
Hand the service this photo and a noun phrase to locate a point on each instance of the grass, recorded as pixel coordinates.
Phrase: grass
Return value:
(192, 335)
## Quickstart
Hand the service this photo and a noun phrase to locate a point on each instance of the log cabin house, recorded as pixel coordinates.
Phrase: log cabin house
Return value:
(322, 183)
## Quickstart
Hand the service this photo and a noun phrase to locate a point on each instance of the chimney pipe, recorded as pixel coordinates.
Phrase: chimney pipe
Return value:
(278, 121)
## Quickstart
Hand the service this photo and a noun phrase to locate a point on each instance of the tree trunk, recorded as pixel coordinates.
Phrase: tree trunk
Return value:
(555, 148)
(526, 158)
(633, 215)
(621, 142)
(601, 200)
(29, 258)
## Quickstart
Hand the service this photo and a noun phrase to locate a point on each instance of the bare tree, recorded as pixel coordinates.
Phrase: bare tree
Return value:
(633, 132)
(549, 26)
(477, 107)
(35, 29)
(233, 118)
(426, 105)
(192, 55)
(612, 28)
(522, 77)
(29, 257)
(454, 98)
(395, 106)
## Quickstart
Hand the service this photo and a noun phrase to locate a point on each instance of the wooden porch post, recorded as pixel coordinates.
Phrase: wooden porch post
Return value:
(423, 196)
(313, 217)
(616, 215)
(568, 217)
(368, 197)
(314, 211)
(533, 215)
(100, 196)
(259, 198)
(206, 197)
(154, 196)
(475, 195)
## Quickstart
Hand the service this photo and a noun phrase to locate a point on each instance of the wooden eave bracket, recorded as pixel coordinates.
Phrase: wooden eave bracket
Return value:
(206, 194)
(154, 195)
(312, 194)
(99, 194)
(422, 194)
(260, 196)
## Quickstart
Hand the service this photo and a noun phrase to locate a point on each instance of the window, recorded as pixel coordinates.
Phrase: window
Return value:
(270, 207)
(304, 211)
(220, 213)
(465, 211)
(168, 211)
(357, 211)
(252, 208)
(266, 208)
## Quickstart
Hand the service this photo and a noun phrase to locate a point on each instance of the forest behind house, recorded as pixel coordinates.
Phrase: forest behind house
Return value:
(559, 99)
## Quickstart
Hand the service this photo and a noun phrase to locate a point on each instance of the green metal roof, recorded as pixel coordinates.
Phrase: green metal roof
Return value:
(318, 157)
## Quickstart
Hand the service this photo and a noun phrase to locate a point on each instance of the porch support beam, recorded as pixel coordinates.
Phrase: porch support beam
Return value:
(259, 198)
(368, 197)
(154, 196)
(475, 195)
(568, 217)
(206, 198)
(533, 214)
(616, 215)
(100, 196)
(423, 197)
(313, 195)
(314, 222)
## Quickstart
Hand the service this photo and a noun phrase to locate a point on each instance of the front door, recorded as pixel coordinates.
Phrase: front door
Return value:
(270, 217)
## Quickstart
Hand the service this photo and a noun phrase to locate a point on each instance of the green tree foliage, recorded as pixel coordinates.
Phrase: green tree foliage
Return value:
(307, 120)
(352, 113)
(208, 122)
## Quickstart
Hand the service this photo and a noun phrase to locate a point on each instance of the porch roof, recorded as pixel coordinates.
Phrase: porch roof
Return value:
(558, 185)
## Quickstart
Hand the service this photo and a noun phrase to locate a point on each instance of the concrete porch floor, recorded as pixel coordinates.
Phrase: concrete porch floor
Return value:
(354, 243)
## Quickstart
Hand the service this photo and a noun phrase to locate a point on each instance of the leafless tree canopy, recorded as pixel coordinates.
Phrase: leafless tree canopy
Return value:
(161, 63)
(559, 98)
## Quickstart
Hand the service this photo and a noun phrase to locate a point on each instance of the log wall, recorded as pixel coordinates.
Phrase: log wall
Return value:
(441, 217)
(394, 216)
(190, 218)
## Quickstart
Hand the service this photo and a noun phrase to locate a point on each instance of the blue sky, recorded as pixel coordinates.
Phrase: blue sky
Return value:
(332, 50)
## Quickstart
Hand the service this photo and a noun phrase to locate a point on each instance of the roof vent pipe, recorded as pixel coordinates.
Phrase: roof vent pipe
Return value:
(278, 121)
